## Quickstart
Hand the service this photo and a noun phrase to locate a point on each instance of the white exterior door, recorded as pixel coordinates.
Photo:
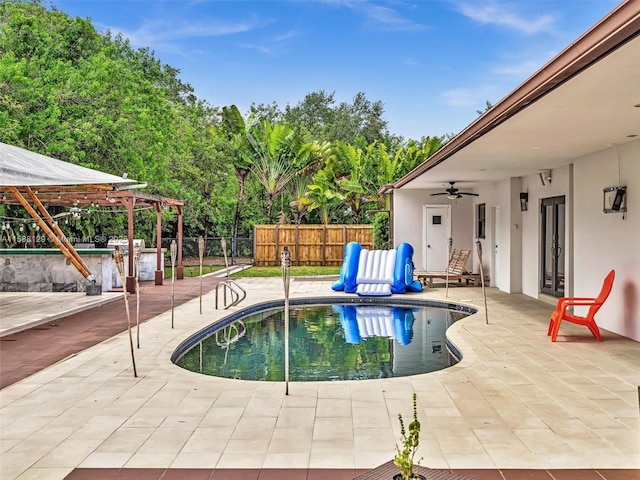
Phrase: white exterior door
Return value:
(437, 230)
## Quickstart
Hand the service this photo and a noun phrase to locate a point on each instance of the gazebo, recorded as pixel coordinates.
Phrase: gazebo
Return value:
(38, 182)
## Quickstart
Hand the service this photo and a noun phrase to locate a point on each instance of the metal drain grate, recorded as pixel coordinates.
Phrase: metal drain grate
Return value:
(386, 471)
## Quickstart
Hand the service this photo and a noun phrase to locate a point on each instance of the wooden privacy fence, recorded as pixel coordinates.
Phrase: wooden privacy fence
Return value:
(308, 244)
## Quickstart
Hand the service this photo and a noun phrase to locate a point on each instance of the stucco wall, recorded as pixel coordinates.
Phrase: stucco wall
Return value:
(407, 226)
(502, 200)
(603, 241)
(530, 220)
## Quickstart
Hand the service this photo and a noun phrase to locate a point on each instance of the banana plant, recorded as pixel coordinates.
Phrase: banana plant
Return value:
(323, 196)
(351, 182)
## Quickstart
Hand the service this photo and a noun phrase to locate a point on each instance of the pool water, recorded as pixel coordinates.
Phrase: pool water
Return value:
(327, 342)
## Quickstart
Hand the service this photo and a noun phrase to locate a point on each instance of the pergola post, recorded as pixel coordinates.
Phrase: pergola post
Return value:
(179, 268)
(159, 274)
(131, 279)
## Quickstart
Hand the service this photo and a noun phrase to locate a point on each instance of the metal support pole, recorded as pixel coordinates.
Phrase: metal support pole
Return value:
(286, 266)
(201, 254)
(136, 266)
(173, 250)
(119, 261)
(484, 293)
(223, 242)
(449, 246)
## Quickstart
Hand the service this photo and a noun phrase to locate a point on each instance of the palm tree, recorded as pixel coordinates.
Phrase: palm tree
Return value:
(234, 129)
(279, 155)
(273, 151)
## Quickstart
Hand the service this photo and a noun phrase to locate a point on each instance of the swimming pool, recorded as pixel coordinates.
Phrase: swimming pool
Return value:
(330, 339)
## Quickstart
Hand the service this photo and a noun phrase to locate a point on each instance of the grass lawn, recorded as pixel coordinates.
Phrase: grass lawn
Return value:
(193, 270)
(294, 272)
(308, 271)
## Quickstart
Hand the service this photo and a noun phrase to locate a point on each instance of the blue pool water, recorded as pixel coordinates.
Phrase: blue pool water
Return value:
(352, 340)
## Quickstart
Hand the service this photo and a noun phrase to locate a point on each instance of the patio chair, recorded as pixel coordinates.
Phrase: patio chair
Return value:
(594, 304)
(456, 270)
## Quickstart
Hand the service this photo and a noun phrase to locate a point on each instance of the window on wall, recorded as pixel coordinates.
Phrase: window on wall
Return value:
(481, 220)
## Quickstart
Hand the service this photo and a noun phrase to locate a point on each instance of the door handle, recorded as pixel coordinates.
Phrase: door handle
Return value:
(428, 246)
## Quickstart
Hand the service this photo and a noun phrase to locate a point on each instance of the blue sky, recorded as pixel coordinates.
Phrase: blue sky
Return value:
(432, 63)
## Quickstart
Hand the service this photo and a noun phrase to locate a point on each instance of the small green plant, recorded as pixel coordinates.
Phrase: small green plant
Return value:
(410, 441)
(381, 231)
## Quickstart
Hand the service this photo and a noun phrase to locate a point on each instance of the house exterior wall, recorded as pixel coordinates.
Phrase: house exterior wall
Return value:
(407, 224)
(603, 241)
(595, 241)
(504, 235)
(561, 181)
(489, 194)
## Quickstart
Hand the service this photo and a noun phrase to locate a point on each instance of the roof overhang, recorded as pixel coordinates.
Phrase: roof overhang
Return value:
(59, 183)
(24, 167)
(584, 100)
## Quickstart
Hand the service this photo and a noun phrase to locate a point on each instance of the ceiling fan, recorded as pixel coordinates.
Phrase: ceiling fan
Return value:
(453, 193)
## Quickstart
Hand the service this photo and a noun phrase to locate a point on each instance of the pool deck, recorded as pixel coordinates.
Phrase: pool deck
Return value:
(516, 402)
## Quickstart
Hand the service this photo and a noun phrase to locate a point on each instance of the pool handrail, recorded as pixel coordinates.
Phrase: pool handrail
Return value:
(236, 296)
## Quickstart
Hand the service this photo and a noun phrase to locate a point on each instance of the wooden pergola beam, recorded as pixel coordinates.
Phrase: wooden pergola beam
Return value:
(66, 249)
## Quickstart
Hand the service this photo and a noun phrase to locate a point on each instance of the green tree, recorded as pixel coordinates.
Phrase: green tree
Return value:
(318, 117)
(383, 168)
(235, 130)
(488, 106)
(277, 154)
(299, 203)
(323, 196)
(350, 179)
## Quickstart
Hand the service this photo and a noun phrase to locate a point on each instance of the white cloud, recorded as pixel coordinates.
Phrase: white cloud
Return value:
(273, 46)
(471, 98)
(412, 62)
(460, 97)
(378, 16)
(520, 70)
(388, 18)
(493, 13)
(164, 35)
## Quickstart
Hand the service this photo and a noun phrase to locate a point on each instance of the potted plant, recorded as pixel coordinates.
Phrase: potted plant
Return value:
(404, 457)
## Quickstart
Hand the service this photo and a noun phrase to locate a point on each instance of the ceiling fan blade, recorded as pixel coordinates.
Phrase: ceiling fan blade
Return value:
(452, 191)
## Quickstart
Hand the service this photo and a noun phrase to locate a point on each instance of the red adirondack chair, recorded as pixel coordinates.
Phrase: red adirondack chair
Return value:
(594, 304)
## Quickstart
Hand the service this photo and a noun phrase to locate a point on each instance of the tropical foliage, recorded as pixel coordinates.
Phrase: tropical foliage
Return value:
(72, 93)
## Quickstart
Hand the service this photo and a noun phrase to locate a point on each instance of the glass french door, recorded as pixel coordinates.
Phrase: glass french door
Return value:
(553, 218)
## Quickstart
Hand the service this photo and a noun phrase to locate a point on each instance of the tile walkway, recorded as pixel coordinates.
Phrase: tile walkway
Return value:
(517, 404)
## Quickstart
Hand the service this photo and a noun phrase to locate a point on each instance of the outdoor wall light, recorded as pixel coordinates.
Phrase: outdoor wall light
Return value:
(614, 200)
(524, 201)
